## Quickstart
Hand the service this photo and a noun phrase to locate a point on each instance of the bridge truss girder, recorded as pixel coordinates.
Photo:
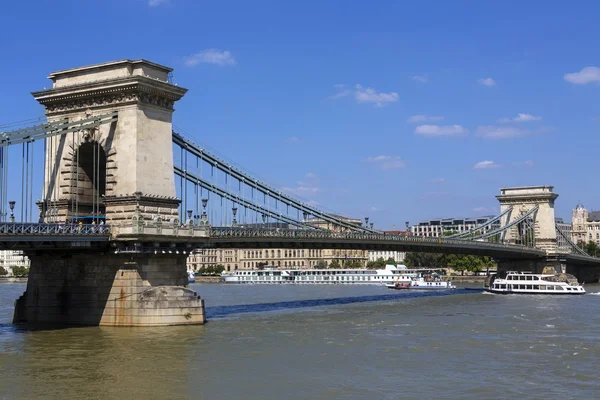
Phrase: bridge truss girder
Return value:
(571, 243)
(223, 166)
(237, 199)
(501, 230)
(480, 227)
(48, 130)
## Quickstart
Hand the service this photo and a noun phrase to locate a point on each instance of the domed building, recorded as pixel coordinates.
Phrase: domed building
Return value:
(586, 225)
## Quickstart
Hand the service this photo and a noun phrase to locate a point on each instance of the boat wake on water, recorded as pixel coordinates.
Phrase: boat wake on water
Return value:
(224, 311)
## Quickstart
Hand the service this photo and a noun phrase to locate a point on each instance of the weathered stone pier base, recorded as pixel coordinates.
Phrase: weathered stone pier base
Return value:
(536, 266)
(110, 290)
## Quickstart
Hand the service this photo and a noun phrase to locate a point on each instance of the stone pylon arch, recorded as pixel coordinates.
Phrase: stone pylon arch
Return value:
(137, 146)
(522, 200)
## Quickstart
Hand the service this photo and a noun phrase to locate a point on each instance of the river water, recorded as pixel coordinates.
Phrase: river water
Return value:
(319, 342)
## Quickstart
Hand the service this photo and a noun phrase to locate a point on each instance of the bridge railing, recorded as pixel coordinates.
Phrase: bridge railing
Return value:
(217, 232)
(25, 229)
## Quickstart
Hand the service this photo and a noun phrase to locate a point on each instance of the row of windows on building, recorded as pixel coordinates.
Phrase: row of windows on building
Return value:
(286, 253)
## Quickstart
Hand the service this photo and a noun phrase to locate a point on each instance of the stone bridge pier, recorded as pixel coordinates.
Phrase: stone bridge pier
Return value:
(108, 289)
(122, 171)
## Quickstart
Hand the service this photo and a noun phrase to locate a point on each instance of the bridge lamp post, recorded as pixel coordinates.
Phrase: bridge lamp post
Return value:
(11, 204)
(204, 217)
(371, 225)
(264, 219)
(189, 220)
(234, 211)
(367, 222)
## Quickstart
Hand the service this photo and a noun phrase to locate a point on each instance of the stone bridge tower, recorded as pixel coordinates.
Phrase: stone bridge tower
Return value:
(123, 170)
(117, 169)
(523, 199)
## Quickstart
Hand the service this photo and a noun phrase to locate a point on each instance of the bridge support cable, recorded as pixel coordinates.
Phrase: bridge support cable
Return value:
(3, 183)
(531, 233)
(226, 208)
(51, 133)
(503, 234)
(568, 240)
(507, 226)
(54, 129)
(253, 183)
(480, 227)
(223, 194)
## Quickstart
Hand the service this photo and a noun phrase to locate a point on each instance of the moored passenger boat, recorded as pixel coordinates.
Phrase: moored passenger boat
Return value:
(513, 282)
(423, 281)
(361, 276)
(432, 282)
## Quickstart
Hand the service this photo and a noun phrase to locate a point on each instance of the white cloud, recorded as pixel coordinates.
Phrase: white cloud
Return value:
(310, 180)
(437, 180)
(211, 56)
(586, 75)
(369, 95)
(374, 209)
(420, 78)
(306, 188)
(500, 132)
(312, 203)
(425, 118)
(340, 94)
(155, 3)
(365, 95)
(486, 165)
(486, 81)
(521, 118)
(481, 209)
(528, 163)
(292, 139)
(386, 162)
(440, 130)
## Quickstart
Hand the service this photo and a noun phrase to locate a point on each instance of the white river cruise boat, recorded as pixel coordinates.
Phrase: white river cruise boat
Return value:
(361, 276)
(513, 282)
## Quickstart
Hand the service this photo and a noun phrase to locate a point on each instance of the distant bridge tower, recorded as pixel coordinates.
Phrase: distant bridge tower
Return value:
(522, 200)
(119, 168)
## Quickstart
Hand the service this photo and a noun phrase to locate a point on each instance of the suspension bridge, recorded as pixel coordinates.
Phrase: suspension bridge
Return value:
(122, 198)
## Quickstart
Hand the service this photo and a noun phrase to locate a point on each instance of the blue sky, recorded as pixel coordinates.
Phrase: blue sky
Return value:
(399, 111)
